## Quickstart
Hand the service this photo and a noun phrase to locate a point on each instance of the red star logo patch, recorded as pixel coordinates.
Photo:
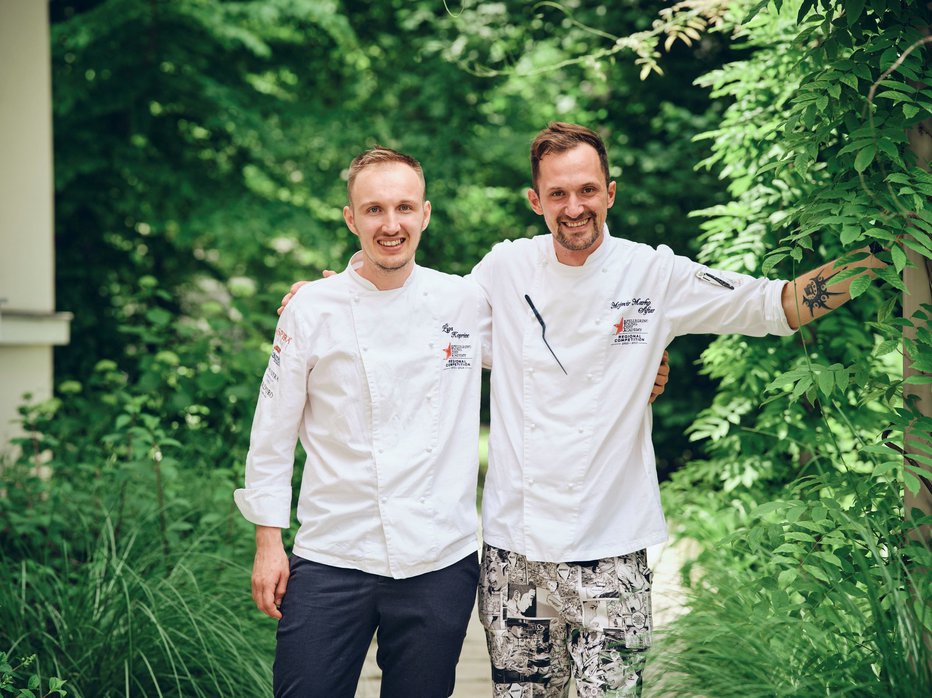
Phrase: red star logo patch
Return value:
(448, 351)
(620, 327)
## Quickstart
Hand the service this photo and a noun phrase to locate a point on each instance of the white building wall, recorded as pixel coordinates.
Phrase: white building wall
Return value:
(29, 325)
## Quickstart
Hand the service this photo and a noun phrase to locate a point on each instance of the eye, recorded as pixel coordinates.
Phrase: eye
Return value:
(589, 190)
(406, 207)
(373, 209)
(556, 194)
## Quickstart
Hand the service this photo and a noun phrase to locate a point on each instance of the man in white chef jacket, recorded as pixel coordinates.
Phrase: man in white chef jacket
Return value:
(377, 370)
(571, 499)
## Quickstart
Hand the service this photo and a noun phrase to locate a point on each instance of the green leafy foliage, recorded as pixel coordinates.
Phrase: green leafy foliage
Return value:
(805, 479)
(828, 605)
(200, 149)
(203, 145)
(23, 681)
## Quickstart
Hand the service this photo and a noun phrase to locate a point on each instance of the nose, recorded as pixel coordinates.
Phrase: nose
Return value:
(391, 224)
(573, 206)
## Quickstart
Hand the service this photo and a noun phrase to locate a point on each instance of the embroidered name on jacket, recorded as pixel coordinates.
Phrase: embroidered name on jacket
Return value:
(457, 354)
(634, 324)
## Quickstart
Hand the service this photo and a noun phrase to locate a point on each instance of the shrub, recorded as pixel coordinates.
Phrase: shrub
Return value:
(813, 597)
(23, 681)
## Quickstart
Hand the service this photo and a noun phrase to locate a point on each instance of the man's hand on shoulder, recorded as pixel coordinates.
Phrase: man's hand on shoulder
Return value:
(270, 571)
(286, 299)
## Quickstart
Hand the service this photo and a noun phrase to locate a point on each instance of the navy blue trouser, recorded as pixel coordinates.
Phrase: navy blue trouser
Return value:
(329, 615)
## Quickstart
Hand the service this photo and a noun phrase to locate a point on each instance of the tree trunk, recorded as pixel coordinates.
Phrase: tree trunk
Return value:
(917, 277)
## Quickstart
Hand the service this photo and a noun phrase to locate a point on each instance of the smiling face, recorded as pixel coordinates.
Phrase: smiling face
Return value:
(573, 197)
(388, 213)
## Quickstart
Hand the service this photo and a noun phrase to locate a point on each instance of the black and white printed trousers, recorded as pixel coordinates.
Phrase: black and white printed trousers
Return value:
(546, 622)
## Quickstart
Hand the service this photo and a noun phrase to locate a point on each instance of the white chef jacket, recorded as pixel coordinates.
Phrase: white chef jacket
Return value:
(572, 474)
(383, 389)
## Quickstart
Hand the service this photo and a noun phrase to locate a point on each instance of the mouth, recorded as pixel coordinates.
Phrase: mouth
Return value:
(576, 225)
(391, 242)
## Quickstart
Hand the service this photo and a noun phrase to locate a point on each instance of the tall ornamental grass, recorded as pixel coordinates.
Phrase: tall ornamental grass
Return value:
(115, 620)
(125, 565)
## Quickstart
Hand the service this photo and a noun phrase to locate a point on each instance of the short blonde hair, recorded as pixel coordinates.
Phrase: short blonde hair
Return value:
(379, 155)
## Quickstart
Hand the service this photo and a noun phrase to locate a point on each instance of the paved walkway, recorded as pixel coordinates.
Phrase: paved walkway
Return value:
(472, 673)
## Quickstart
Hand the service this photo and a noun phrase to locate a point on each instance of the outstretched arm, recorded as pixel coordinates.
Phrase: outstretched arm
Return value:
(812, 295)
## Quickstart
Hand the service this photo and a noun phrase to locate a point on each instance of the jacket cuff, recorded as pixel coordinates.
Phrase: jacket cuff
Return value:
(265, 506)
(779, 325)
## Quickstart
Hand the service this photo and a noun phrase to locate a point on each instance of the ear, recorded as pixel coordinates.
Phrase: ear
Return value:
(350, 221)
(611, 194)
(426, 216)
(535, 202)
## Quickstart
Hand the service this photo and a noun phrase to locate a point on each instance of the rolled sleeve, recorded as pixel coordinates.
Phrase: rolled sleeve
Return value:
(265, 506)
(776, 316)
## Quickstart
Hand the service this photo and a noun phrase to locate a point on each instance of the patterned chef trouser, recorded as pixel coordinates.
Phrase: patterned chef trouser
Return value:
(547, 621)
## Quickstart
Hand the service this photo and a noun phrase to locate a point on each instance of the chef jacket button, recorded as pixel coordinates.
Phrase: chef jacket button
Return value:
(580, 430)
(531, 481)
(384, 499)
(533, 426)
(589, 376)
(365, 348)
(380, 450)
(429, 449)
(530, 369)
(604, 270)
(355, 299)
(421, 500)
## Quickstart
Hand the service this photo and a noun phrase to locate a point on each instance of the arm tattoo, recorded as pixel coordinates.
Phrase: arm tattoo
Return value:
(816, 293)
